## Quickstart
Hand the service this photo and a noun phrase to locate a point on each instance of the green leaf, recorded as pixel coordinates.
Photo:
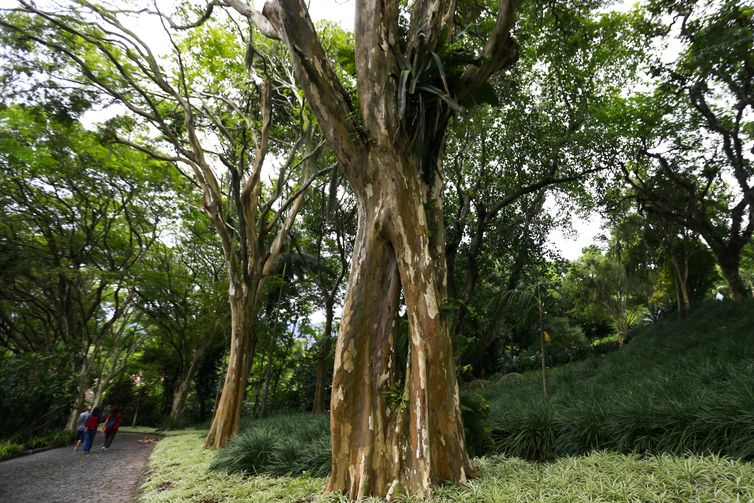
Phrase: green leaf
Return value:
(452, 103)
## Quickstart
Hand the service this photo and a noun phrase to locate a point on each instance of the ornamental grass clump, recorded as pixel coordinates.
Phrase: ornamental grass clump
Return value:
(283, 445)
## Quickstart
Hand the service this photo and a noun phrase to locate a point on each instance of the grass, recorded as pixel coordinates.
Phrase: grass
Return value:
(670, 417)
(179, 472)
(679, 386)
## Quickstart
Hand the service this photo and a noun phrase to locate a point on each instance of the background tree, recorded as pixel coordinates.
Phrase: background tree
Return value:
(693, 134)
(78, 217)
(324, 245)
(548, 134)
(180, 291)
(212, 112)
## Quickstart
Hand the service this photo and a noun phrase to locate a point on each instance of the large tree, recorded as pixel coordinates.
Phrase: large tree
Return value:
(409, 79)
(694, 135)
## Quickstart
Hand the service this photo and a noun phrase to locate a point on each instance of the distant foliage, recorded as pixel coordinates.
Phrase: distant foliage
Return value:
(10, 449)
(680, 386)
(35, 390)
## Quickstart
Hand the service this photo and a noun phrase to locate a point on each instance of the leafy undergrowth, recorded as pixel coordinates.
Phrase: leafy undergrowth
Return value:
(295, 444)
(179, 472)
(646, 423)
(10, 448)
(679, 386)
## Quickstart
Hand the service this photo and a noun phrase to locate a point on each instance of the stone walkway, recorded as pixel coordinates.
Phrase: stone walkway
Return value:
(64, 476)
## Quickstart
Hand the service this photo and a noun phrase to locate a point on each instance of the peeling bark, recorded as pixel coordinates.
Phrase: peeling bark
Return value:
(392, 430)
(396, 429)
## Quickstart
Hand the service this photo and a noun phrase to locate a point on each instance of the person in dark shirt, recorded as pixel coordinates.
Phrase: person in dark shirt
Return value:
(112, 423)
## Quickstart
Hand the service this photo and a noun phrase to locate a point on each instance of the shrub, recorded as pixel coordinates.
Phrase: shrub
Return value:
(10, 449)
(476, 422)
(281, 445)
(51, 439)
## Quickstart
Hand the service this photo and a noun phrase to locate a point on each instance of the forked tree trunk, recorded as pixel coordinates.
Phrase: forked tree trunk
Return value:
(226, 422)
(184, 384)
(396, 429)
(391, 429)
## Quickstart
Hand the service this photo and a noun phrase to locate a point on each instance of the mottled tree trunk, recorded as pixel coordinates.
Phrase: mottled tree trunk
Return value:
(392, 429)
(226, 422)
(396, 429)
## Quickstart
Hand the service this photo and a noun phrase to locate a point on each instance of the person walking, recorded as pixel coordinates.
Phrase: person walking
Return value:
(112, 423)
(81, 428)
(92, 423)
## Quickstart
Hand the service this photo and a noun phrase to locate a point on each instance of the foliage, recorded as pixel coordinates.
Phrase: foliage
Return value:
(35, 390)
(690, 136)
(476, 423)
(282, 445)
(22, 443)
(679, 386)
(10, 449)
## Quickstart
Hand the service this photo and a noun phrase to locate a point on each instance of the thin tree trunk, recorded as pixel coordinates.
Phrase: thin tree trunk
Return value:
(78, 402)
(323, 359)
(542, 342)
(266, 385)
(184, 384)
(681, 285)
(226, 422)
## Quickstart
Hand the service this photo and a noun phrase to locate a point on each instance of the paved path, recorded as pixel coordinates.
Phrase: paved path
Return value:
(64, 476)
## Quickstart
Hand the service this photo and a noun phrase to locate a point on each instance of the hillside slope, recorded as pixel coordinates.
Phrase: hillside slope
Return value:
(679, 386)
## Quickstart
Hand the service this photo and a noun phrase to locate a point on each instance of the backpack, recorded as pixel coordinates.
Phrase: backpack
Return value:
(92, 422)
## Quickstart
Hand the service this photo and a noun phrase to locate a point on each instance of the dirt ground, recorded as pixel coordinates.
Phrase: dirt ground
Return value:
(64, 476)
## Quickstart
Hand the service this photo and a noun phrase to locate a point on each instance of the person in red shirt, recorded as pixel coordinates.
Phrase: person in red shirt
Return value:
(112, 423)
(92, 423)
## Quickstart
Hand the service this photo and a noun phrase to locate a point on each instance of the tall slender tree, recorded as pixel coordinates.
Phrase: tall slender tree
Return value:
(212, 111)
